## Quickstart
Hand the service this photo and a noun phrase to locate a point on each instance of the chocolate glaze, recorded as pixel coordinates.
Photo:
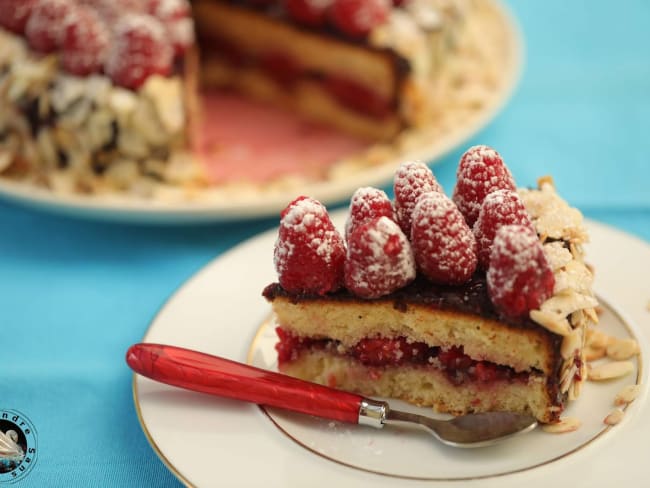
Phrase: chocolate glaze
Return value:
(470, 297)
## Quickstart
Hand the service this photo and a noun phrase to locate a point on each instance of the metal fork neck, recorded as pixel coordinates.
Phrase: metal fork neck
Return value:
(372, 413)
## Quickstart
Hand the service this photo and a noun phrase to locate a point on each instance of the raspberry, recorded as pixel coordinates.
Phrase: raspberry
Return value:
(15, 13)
(412, 180)
(454, 358)
(366, 204)
(44, 27)
(309, 252)
(379, 259)
(309, 12)
(383, 352)
(358, 97)
(176, 16)
(111, 11)
(280, 67)
(140, 49)
(501, 207)
(286, 346)
(480, 172)
(84, 44)
(356, 18)
(444, 246)
(519, 278)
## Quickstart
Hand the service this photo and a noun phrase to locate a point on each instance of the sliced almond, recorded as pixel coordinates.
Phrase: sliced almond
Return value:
(567, 424)
(571, 343)
(593, 353)
(551, 321)
(627, 395)
(622, 349)
(597, 339)
(611, 370)
(614, 417)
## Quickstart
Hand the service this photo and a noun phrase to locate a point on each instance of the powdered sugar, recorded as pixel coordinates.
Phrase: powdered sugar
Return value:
(139, 49)
(309, 251)
(45, 24)
(412, 179)
(501, 207)
(444, 246)
(379, 259)
(366, 204)
(519, 277)
(480, 172)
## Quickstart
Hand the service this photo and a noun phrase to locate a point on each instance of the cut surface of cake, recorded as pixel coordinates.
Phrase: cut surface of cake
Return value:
(104, 96)
(374, 314)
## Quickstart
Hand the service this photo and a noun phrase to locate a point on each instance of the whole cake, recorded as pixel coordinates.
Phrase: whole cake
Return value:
(103, 94)
(470, 304)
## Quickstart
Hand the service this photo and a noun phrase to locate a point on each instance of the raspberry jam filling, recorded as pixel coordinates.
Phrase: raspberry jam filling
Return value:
(383, 352)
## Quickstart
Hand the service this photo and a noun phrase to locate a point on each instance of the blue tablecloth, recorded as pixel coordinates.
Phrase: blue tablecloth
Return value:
(75, 294)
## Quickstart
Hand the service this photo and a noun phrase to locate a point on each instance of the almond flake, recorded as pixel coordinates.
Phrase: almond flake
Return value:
(611, 370)
(627, 394)
(614, 417)
(594, 353)
(622, 348)
(597, 339)
(567, 424)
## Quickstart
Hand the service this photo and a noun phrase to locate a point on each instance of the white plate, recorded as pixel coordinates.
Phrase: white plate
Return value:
(208, 441)
(243, 202)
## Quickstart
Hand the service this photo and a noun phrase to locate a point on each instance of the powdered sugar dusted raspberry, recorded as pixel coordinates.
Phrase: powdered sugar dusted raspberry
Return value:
(367, 203)
(309, 12)
(140, 49)
(480, 172)
(443, 243)
(309, 252)
(45, 24)
(412, 179)
(175, 15)
(519, 278)
(379, 259)
(356, 18)
(84, 42)
(111, 11)
(501, 207)
(14, 14)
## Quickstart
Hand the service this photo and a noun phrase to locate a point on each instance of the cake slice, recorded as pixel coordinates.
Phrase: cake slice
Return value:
(429, 322)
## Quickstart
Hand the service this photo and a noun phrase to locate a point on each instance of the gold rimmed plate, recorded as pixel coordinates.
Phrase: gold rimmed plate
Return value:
(207, 441)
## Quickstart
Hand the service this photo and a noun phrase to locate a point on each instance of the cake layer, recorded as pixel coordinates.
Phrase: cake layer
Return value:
(422, 312)
(309, 97)
(255, 35)
(373, 86)
(429, 386)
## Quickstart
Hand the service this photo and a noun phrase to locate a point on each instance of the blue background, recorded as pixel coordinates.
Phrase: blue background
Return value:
(75, 294)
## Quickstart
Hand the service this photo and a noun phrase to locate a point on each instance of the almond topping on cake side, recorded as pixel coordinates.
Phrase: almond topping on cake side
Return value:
(473, 303)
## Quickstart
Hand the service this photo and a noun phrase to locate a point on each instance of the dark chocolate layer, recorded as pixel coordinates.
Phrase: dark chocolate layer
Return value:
(471, 297)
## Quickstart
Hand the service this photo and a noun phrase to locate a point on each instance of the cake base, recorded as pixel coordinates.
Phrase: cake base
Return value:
(426, 386)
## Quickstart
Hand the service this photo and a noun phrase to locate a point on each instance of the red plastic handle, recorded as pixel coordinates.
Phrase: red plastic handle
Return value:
(193, 370)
